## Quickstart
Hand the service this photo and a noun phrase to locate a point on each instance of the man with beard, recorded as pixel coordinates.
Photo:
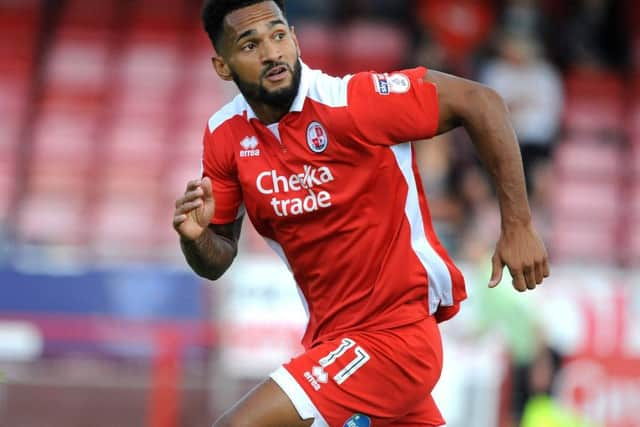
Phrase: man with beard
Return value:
(325, 169)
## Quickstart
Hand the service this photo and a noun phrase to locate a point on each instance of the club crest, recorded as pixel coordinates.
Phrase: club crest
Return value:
(317, 138)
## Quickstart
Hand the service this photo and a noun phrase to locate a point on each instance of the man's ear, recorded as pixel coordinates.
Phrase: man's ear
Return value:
(295, 38)
(221, 67)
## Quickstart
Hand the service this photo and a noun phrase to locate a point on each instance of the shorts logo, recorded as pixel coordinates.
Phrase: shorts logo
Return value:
(316, 377)
(317, 139)
(358, 420)
(249, 147)
(386, 84)
(320, 374)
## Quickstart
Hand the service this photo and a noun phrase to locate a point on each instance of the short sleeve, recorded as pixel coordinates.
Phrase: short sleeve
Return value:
(218, 164)
(393, 108)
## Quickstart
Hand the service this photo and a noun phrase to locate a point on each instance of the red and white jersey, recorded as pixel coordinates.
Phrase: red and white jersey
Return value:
(334, 189)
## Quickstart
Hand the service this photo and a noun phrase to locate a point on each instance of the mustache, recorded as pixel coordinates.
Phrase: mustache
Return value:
(273, 65)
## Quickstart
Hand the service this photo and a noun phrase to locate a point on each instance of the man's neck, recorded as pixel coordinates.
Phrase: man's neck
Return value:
(267, 113)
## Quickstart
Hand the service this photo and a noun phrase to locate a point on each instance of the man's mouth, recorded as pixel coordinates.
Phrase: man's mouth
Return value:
(277, 73)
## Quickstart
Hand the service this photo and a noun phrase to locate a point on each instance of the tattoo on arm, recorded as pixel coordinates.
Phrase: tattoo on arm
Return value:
(212, 254)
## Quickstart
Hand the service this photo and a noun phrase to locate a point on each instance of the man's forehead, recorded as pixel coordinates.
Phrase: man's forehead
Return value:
(248, 17)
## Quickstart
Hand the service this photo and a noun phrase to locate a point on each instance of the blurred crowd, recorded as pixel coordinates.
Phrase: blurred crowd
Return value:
(106, 86)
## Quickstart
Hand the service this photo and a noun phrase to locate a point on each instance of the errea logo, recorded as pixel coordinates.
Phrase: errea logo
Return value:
(250, 147)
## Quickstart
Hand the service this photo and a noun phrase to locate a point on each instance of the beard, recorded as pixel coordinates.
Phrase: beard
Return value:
(280, 98)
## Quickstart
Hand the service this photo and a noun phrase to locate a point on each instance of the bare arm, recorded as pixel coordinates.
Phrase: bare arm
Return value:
(485, 117)
(209, 249)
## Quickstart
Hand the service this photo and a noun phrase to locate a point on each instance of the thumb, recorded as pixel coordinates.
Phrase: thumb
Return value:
(206, 189)
(496, 272)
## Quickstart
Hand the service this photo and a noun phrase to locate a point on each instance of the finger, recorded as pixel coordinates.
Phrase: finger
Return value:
(189, 197)
(545, 268)
(537, 270)
(518, 281)
(496, 272)
(193, 184)
(207, 190)
(529, 277)
(189, 206)
(178, 220)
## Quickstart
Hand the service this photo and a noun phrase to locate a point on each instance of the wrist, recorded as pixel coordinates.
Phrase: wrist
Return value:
(193, 240)
(518, 221)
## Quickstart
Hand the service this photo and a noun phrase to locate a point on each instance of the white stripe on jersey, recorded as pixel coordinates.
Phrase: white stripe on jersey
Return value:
(327, 90)
(278, 249)
(234, 108)
(440, 288)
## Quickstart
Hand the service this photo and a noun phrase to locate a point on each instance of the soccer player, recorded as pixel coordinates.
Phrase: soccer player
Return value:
(325, 170)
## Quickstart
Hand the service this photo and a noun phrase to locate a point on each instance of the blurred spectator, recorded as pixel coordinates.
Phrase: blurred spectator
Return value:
(309, 10)
(541, 409)
(532, 88)
(482, 217)
(397, 11)
(523, 17)
(595, 35)
(460, 26)
(428, 52)
(435, 159)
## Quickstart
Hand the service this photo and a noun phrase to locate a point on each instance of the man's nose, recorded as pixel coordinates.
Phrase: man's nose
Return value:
(271, 51)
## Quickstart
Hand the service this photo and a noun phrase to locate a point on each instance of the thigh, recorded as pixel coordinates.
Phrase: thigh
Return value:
(365, 379)
(264, 406)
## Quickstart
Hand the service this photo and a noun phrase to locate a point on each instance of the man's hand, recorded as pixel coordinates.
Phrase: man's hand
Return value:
(522, 251)
(194, 210)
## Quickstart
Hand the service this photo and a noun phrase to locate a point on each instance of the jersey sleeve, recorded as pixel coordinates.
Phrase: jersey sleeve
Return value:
(393, 108)
(218, 164)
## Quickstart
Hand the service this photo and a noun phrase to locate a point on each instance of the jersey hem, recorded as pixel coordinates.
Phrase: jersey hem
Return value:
(299, 398)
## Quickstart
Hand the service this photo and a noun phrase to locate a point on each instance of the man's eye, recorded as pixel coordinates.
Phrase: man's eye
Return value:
(280, 36)
(249, 46)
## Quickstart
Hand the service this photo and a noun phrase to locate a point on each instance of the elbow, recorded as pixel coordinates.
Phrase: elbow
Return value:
(481, 104)
(484, 98)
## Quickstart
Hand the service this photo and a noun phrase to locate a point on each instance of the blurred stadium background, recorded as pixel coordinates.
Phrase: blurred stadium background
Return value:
(102, 108)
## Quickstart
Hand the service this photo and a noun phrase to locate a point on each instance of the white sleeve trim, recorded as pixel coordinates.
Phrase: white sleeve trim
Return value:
(305, 407)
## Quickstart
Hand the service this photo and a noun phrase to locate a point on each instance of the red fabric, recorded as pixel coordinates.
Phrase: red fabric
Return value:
(339, 197)
(459, 25)
(392, 387)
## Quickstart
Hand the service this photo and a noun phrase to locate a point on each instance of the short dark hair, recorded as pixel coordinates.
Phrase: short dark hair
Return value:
(214, 12)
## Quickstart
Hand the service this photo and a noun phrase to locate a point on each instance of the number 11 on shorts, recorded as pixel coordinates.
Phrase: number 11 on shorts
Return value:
(361, 358)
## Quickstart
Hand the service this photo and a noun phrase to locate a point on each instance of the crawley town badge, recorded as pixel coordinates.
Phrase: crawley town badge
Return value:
(317, 138)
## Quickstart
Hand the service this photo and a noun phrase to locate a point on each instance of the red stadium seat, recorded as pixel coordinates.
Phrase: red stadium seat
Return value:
(123, 225)
(588, 157)
(20, 22)
(53, 219)
(79, 62)
(594, 101)
(10, 128)
(96, 15)
(587, 115)
(317, 46)
(141, 144)
(15, 96)
(595, 84)
(359, 53)
(159, 16)
(7, 180)
(595, 199)
(65, 137)
(584, 241)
